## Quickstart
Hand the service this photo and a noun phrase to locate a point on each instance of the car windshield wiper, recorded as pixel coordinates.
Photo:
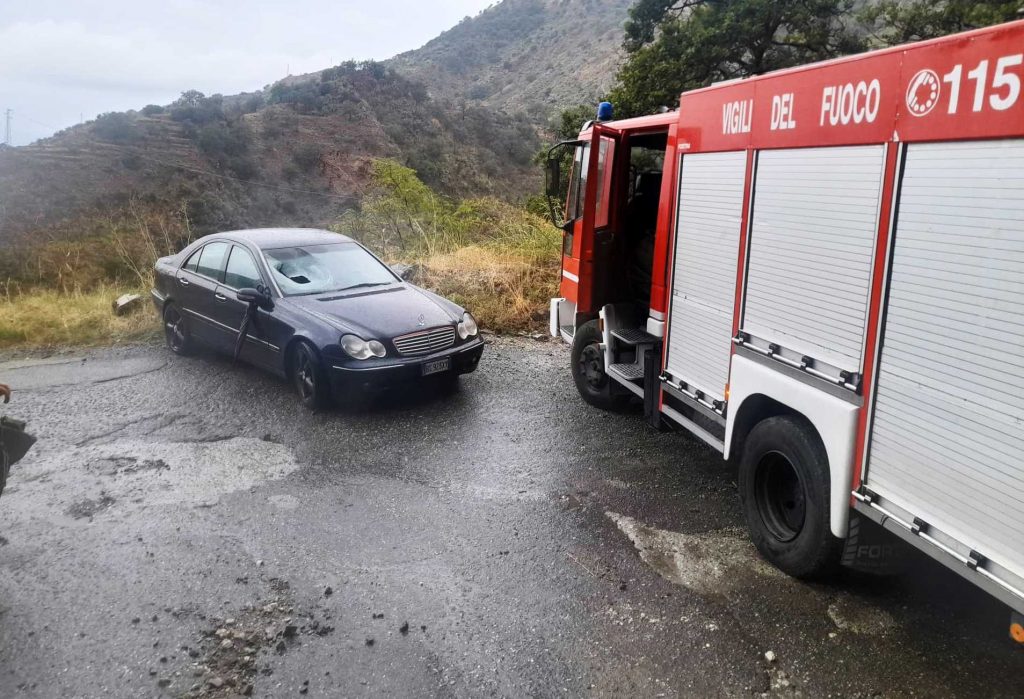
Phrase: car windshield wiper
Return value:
(363, 285)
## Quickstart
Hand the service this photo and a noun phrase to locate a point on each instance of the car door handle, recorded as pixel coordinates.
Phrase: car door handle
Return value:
(183, 281)
(220, 297)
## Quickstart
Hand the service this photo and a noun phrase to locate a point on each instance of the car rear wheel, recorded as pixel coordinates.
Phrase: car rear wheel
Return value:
(176, 330)
(784, 486)
(309, 377)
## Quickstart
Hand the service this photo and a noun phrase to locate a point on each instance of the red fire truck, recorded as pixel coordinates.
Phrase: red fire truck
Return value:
(820, 273)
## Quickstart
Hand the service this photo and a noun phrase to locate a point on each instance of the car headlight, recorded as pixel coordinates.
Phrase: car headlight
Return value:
(468, 327)
(358, 348)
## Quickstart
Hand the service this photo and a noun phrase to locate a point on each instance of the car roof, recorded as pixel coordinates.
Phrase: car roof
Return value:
(265, 238)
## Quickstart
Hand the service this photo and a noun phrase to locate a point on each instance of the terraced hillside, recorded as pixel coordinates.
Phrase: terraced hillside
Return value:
(294, 154)
(467, 111)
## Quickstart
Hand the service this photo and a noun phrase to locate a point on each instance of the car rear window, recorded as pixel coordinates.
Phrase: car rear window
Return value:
(211, 261)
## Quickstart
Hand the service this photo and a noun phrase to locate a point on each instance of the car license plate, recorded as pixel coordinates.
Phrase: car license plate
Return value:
(437, 366)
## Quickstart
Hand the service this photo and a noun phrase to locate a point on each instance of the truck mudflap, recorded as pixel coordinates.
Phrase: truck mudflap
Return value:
(14, 444)
(869, 548)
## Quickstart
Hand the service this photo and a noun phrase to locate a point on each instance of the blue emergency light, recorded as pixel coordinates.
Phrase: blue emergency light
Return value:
(604, 111)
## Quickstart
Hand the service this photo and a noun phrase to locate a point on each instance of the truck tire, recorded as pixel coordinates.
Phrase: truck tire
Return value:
(594, 385)
(784, 487)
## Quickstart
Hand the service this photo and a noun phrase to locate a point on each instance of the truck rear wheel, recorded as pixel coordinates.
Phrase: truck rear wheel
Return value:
(784, 487)
(594, 385)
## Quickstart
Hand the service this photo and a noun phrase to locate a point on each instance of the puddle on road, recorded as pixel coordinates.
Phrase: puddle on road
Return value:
(284, 502)
(31, 375)
(711, 563)
(511, 493)
(723, 562)
(851, 614)
(132, 473)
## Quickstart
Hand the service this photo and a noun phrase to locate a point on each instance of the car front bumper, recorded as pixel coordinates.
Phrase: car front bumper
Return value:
(408, 370)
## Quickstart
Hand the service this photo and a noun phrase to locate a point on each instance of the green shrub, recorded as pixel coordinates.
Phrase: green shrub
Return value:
(116, 127)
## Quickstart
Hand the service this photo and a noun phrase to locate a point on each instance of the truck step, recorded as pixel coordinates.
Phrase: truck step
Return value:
(635, 336)
(630, 372)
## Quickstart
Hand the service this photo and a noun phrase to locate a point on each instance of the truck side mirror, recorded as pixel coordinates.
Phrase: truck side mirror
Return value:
(554, 176)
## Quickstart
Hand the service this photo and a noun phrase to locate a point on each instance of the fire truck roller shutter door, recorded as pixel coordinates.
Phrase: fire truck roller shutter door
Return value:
(704, 269)
(815, 221)
(947, 436)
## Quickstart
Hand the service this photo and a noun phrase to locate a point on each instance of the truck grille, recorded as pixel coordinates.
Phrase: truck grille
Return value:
(426, 341)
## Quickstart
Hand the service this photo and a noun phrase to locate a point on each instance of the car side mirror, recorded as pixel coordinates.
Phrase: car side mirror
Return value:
(260, 297)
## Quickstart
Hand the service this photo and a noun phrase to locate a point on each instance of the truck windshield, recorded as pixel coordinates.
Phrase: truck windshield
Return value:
(317, 269)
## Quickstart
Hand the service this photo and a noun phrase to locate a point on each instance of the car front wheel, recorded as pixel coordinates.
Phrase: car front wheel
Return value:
(309, 377)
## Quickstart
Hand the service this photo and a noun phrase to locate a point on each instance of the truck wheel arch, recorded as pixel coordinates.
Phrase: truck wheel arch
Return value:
(754, 409)
(834, 419)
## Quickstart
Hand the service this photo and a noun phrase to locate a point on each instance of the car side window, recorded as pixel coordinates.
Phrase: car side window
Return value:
(192, 263)
(242, 272)
(211, 261)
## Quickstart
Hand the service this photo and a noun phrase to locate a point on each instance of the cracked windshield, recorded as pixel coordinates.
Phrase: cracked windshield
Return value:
(518, 348)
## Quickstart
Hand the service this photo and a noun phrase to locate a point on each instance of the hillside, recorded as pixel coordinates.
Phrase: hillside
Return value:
(525, 55)
(295, 153)
(467, 111)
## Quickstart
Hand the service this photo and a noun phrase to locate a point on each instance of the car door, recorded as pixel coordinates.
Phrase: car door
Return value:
(186, 292)
(197, 289)
(242, 272)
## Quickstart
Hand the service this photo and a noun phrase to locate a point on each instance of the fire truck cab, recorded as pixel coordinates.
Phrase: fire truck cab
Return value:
(820, 273)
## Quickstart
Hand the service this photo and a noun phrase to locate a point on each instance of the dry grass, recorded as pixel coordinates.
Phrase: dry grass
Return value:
(505, 291)
(51, 318)
(59, 293)
(499, 261)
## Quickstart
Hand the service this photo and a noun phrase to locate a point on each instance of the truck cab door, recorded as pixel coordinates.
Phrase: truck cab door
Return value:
(587, 237)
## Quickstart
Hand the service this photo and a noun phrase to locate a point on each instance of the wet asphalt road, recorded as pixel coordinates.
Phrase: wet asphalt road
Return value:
(177, 528)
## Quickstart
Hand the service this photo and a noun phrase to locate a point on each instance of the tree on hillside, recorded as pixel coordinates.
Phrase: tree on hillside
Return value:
(899, 21)
(569, 121)
(190, 98)
(677, 45)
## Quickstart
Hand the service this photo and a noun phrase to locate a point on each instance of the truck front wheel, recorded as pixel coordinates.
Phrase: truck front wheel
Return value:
(784, 487)
(594, 385)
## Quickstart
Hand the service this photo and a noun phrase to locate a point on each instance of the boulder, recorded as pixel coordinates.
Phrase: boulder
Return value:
(406, 272)
(128, 303)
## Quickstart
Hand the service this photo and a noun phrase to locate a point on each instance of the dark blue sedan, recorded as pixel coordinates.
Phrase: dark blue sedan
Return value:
(314, 307)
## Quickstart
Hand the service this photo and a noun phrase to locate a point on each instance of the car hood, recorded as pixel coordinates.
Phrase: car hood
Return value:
(379, 313)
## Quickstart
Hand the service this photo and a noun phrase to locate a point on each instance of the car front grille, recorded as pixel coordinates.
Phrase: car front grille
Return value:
(426, 341)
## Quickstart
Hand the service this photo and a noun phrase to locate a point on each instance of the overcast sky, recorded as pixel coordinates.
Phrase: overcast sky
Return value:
(65, 60)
